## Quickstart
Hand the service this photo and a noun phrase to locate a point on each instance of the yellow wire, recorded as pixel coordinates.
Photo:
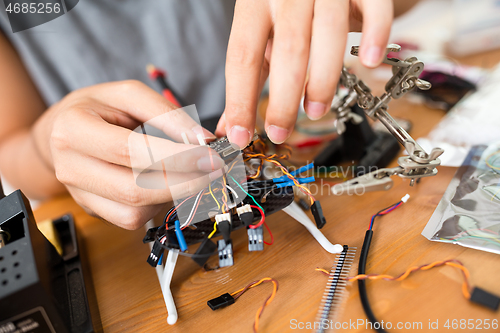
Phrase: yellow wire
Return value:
(213, 196)
(213, 232)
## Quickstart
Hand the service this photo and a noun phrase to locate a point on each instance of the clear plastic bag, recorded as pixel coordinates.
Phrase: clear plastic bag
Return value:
(469, 212)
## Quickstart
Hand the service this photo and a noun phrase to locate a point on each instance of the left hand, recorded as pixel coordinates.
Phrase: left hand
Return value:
(294, 33)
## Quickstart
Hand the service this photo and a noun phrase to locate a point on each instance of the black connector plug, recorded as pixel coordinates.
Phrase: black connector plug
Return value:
(156, 252)
(221, 302)
(485, 298)
(317, 212)
(225, 229)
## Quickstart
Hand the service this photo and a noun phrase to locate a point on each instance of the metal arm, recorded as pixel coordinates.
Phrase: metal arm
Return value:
(418, 163)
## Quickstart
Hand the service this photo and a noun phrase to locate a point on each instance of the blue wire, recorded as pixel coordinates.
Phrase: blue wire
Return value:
(302, 169)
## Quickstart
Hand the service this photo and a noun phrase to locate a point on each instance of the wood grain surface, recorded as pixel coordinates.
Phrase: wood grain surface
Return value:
(129, 298)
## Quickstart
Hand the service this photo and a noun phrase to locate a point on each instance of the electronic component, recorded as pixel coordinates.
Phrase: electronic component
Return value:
(485, 298)
(40, 289)
(335, 288)
(304, 204)
(317, 212)
(256, 239)
(206, 248)
(225, 253)
(229, 298)
(224, 226)
(245, 214)
(155, 254)
(225, 148)
(220, 302)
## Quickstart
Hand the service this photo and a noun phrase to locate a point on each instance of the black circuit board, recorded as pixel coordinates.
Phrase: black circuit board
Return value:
(275, 200)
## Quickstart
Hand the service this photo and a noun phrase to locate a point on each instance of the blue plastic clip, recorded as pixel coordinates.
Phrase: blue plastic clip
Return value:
(180, 236)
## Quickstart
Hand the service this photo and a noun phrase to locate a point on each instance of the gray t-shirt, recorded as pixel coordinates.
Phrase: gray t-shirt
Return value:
(110, 40)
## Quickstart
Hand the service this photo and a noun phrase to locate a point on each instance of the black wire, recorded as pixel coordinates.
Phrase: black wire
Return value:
(362, 283)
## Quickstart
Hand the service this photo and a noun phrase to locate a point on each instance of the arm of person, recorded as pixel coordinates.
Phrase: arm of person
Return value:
(87, 144)
(20, 161)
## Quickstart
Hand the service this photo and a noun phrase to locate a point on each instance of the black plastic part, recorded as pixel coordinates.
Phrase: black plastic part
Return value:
(225, 229)
(37, 284)
(221, 302)
(317, 212)
(206, 248)
(155, 255)
(359, 142)
(485, 298)
(246, 218)
(150, 235)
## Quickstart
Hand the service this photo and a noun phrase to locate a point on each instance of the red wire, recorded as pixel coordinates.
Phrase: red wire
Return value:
(270, 234)
(168, 217)
(262, 219)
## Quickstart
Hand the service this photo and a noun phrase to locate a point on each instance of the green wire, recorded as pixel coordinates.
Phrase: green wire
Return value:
(247, 193)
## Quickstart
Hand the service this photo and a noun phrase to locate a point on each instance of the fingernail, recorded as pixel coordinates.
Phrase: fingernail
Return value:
(240, 136)
(371, 57)
(207, 163)
(277, 134)
(315, 110)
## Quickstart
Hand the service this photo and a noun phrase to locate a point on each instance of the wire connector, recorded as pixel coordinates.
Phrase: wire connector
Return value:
(485, 298)
(220, 302)
(225, 253)
(317, 212)
(245, 214)
(224, 226)
(405, 198)
(223, 217)
(156, 253)
(256, 239)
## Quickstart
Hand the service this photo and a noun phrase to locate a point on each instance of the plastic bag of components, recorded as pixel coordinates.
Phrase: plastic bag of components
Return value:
(469, 212)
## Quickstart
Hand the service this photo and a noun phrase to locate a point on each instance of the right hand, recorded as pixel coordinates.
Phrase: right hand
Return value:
(88, 139)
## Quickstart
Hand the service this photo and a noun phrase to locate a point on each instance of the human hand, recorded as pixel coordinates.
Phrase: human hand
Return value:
(88, 139)
(294, 33)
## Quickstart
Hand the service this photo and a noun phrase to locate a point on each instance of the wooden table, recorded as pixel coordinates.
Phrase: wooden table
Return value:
(129, 298)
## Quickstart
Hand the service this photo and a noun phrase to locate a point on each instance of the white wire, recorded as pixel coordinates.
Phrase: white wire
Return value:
(192, 210)
(234, 192)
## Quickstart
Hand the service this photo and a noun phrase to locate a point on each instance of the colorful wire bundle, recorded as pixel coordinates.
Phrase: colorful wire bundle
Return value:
(237, 294)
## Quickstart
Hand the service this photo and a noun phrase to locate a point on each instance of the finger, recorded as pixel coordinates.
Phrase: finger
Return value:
(377, 20)
(146, 105)
(290, 54)
(123, 147)
(329, 37)
(221, 126)
(245, 54)
(118, 183)
(121, 215)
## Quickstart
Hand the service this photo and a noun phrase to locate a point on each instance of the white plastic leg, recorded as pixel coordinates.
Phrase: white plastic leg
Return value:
(298, 214)
(165, 273)
(166, 278)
